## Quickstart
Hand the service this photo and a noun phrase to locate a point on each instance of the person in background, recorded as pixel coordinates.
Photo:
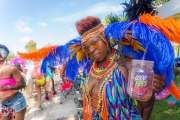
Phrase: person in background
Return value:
(51, 75)
(40, 81)
(12, 102)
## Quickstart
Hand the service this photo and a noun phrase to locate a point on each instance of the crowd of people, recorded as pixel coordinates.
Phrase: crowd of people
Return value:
(107, 68)
(13, 86)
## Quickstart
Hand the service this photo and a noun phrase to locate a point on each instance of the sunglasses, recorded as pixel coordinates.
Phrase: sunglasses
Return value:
(94, 44)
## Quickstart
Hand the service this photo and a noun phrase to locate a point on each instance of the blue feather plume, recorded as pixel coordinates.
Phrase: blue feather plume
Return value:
(159, 49)
(62, 54)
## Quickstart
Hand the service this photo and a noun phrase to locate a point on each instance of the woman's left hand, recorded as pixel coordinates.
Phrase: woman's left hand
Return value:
(158, 83)
(2, 88)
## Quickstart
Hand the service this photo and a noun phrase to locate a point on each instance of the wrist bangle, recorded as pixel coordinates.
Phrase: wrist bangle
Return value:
(8, 87)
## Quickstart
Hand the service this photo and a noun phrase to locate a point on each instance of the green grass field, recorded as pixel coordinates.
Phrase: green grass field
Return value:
(162, 111)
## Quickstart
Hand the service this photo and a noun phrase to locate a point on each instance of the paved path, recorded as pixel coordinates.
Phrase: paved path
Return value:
(51, 111)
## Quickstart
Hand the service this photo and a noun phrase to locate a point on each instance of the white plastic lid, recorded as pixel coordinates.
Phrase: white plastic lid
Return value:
(143, 62)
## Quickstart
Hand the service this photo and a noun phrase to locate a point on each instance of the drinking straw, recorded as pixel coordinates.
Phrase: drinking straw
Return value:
(144, 55)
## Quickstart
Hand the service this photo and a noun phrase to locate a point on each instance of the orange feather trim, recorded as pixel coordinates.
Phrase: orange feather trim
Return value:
(174, 91)
(86, 108)
(169, 27)
(39, 54)
(105, 107)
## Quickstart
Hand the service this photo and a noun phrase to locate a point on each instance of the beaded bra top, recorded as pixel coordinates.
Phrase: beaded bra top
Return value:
(99, 73)
(112, 90)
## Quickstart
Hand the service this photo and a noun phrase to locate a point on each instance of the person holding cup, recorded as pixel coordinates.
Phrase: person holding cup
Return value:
(105, 90)
(106, 84)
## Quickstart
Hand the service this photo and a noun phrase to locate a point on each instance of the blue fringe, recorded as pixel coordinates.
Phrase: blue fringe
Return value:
(62, 54)
(159, 49)
(72, 68)
(59, 55)
(49, 73)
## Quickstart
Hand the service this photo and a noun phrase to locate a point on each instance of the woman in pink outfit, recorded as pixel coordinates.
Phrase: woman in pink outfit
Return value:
(12, 102)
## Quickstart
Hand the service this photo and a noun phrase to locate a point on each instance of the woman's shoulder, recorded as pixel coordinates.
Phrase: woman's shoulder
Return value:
(10, 67)
(124, 61)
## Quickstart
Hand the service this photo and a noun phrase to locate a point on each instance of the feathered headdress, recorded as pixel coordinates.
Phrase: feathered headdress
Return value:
(37, 55)
(71, 53)
(18, 60)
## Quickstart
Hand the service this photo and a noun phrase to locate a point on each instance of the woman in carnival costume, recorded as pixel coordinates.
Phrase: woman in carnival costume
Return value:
(33, 66)
(40, 81)
(12, 102)
(104, 93)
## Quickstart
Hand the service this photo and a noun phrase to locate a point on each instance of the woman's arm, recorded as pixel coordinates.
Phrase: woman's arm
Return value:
(18, 78)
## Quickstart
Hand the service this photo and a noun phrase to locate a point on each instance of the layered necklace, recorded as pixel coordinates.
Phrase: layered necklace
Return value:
(99, 73)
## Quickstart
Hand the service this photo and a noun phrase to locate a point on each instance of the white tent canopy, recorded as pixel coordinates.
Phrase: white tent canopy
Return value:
(170, 8)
